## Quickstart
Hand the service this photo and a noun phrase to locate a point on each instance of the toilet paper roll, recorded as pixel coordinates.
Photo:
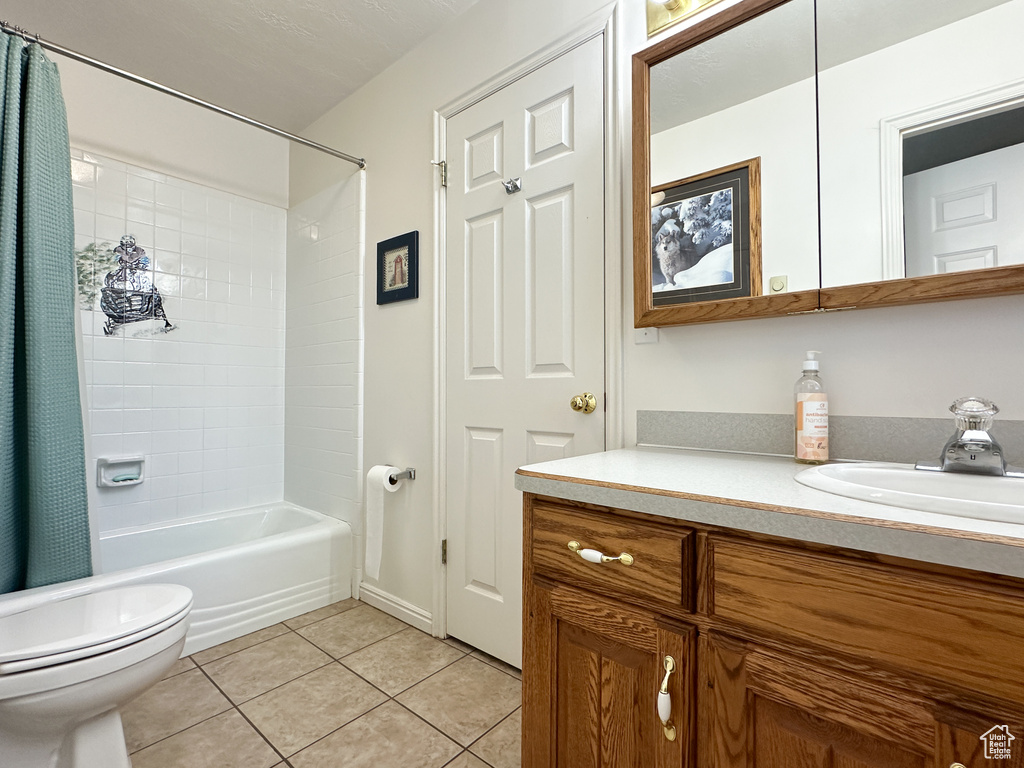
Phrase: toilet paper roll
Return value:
(378, 482)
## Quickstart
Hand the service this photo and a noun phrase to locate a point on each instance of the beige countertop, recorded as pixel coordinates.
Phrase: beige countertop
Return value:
(759, 494)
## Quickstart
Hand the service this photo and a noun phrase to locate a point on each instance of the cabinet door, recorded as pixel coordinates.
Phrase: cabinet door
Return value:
(591, 675)
(768, 710)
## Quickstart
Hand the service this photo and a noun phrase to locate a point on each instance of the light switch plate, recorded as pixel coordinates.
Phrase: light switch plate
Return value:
(778, 284)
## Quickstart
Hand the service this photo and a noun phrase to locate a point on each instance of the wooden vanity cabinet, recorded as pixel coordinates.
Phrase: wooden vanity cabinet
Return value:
(788, 655)
(771, 710)
(596, 639)
(597, 666)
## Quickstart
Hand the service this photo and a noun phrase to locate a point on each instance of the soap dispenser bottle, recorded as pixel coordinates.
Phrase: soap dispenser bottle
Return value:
(811, 415)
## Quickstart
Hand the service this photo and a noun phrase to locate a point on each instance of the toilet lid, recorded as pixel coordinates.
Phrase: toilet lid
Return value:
(93, 621)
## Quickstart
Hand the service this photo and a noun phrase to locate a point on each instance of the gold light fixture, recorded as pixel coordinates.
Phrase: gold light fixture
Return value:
(665, 13)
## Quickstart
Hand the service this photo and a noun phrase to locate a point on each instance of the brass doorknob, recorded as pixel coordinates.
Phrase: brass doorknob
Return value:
(585, 402)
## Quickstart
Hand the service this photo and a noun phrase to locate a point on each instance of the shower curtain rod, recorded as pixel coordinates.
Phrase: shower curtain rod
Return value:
(81, 57)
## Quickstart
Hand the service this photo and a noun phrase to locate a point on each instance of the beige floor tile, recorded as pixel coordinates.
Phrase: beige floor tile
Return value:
(322, 613)
(225, 741)
(258, 669)
(498, 664)
(300, 712)
(456, 643)
(464, 700)
(181, 665)
(502, 746)
(401, 660)
(171, 705)
(347, 632)
(467, 760)
(388, 737)
(238, 644)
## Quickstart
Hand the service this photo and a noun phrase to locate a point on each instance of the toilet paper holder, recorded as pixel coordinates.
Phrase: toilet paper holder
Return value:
(406, 474)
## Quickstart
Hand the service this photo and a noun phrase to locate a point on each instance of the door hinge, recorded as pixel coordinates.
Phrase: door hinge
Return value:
(443, 167)
(444, 551)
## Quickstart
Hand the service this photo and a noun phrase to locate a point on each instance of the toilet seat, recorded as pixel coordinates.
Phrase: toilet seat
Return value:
(90, 624)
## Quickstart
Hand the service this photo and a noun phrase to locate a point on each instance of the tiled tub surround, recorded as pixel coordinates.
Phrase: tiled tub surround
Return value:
(203, 402)
(345, 685)
(324, 360)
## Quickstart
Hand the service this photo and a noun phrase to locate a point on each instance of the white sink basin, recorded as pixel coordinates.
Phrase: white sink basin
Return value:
(900, 485)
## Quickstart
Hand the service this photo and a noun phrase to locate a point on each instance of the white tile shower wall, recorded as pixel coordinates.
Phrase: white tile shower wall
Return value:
(324, 369)
(204, 402)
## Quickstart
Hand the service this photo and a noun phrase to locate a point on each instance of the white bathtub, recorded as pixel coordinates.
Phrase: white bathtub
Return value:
(247, 569)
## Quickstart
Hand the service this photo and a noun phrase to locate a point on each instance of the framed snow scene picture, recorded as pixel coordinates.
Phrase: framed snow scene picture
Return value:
(398, 268)
(705, 238)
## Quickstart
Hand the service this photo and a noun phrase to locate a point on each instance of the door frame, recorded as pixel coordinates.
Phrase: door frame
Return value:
(604, 24)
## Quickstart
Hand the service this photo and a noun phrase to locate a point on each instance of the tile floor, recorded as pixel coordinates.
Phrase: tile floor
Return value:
(346, 685)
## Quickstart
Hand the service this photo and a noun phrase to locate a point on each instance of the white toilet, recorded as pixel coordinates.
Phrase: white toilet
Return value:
(68, 662)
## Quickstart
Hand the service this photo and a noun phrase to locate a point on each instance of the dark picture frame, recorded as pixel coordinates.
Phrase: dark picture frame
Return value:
(398, 268)
(705, 237)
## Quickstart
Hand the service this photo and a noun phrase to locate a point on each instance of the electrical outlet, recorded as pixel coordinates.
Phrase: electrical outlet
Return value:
(778, 284)
(645, 335)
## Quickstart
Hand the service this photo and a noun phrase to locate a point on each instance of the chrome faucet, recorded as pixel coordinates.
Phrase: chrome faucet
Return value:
(972, 449)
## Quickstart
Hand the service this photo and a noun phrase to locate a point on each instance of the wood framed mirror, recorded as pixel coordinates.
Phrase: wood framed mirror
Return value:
(744, 84)
(732, 94)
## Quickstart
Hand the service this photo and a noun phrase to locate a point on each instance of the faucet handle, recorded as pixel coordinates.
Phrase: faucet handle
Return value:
(974, 413)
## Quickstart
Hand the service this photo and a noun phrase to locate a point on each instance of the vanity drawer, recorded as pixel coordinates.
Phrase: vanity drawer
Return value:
(661, 573)
(950, 628)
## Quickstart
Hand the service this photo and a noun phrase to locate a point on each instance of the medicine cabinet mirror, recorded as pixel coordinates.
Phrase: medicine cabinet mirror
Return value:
(921, 118)
(915, 113)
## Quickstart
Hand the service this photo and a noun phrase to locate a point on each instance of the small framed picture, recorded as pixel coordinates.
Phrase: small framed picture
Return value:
(398, 268)
(705, 238)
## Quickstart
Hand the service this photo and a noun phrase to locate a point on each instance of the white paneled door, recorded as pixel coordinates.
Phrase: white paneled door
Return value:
(966, 215)
(524, 291)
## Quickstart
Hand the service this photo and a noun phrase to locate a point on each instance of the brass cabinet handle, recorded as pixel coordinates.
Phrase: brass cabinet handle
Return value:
(957, 765)
(593, 556)
(665, 701)
(586, 403)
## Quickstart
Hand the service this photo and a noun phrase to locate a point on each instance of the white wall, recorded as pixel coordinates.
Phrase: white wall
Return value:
(900, 361)
(908, 361)
(135, 124)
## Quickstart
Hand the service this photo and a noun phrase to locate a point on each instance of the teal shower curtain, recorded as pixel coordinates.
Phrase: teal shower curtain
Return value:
(44, 516)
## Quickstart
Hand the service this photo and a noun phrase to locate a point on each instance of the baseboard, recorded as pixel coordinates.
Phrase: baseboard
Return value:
(396, 607)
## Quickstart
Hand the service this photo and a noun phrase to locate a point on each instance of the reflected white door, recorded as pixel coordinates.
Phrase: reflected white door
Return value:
(524, 289)
(966, 215)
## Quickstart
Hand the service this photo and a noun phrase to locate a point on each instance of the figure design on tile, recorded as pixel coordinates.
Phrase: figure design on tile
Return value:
(128, 294)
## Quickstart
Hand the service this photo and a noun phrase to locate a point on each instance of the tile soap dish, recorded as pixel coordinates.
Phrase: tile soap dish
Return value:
(113, 473)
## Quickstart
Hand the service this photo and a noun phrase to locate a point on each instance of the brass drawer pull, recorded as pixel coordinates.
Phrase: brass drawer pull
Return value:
(593, 556)
(665, 701)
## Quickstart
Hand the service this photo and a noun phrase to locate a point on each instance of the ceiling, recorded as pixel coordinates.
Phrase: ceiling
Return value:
(778, 48)
(284, 62)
